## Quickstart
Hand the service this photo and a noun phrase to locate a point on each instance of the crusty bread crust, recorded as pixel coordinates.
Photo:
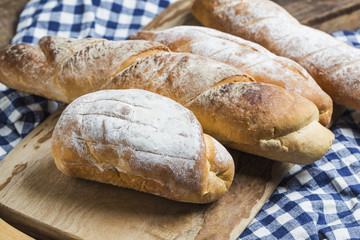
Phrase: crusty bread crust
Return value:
(279, 136)
(248, 57)
(144, 141)
(183, 77)
(334, 65)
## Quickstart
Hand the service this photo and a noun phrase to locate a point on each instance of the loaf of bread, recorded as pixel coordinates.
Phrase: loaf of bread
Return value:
(334, 65)
(141, 140)
(247, 56)
(253, 117)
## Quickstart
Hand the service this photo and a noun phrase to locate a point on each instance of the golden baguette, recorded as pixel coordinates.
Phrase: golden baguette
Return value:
(257, 117)
(334, 65)
(248, 57)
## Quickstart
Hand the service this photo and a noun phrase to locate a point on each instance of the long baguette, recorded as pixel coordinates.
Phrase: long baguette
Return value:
(334, 65)
(257, 117)
(247, 56)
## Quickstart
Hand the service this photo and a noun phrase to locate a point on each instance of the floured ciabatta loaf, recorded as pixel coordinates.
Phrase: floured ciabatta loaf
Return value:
(253, 117)
(144, 141)
(247, 56)
(334, 65)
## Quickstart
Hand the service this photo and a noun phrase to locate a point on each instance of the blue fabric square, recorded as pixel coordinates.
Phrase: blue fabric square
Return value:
(116, 8)
(54, 26)
(79, 9)
(111, 24)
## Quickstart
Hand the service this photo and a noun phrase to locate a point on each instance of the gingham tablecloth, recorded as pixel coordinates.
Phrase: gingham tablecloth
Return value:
(318, 201)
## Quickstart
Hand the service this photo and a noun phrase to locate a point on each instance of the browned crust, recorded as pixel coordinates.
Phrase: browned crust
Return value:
(333, 64)
(213, 164)
(150, 66)
(266, 67)
(255, 125)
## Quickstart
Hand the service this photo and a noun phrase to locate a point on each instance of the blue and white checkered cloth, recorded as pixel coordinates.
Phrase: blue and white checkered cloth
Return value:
(318, 201)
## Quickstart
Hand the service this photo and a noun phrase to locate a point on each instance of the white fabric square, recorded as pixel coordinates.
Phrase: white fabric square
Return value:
(65, 34)
(84, 33)
(15, 115)
(341, 233)
(151, 7)
(299, 233)
(103, 14)
(273, 209)
(88, 17)
(70, 2)
(46, 16)
(329, 206)
(356, 214)
(294, 196)
(347, 132)
(2, 151)
(50, 5)
(295, 169)
(306, 206)
(4, 131)
(339, 184)
(145, 20)
(28, 11)
(262, 232)
(327, 166)
(125, 19)
(283, 219)
(304, 177)
(67, 18)
(121, 33)
(15, 142)
(3, 87)
(352, 203)
(337, 146)
(350, 160)
(24, 24)
(40, 32)
(129, 4)
(281, 189)
(99, 29)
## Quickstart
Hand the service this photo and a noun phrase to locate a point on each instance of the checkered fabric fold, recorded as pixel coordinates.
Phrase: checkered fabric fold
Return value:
(318, 201)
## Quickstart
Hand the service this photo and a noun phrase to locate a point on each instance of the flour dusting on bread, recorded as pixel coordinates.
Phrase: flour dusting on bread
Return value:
(128, 124)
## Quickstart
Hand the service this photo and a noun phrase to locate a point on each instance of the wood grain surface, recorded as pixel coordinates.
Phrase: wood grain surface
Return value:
(41, 201)
(328, 15)
(9, 14)
(7, 232)
(49, 204)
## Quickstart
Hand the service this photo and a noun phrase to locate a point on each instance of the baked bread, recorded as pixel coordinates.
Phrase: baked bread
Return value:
(249, 116)
(247, 56)
(141, 140)
(334, 65)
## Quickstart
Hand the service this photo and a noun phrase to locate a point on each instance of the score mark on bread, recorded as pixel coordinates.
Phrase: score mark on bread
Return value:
(141, 140)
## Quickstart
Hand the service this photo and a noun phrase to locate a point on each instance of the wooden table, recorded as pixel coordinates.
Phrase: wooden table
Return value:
(328, 15)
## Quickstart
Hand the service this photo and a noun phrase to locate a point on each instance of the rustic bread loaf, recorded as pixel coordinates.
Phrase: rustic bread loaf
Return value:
(247, 56)
(144, 141)
(334, 65)
(256, 113)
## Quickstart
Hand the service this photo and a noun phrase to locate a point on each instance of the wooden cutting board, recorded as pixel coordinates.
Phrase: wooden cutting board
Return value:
(41, 201)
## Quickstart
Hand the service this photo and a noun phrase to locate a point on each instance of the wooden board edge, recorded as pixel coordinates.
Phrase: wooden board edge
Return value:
(31, 226)
(9, 232)
(329, 16)
(280, 169)
(171, 16)
(13, 217)
(340, 23)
